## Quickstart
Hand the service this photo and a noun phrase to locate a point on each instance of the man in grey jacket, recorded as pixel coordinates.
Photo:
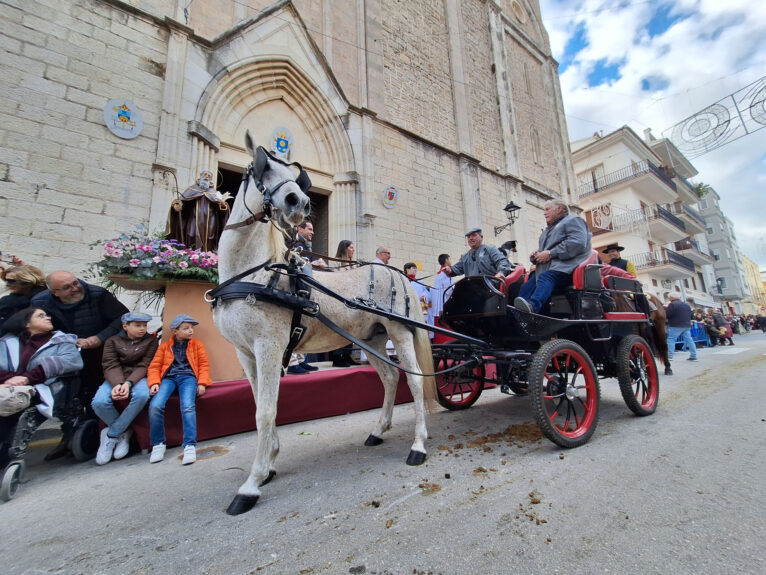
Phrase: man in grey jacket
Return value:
(481, 259)
(563, 245)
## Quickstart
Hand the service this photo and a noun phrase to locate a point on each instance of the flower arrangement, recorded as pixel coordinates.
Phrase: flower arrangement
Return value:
(145, 257)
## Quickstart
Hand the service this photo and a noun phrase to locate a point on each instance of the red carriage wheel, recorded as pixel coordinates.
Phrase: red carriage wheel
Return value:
(637, 375)
(565, 392)
(459, 388)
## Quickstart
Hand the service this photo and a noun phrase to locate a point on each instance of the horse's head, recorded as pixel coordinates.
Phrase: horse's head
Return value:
(281, 193)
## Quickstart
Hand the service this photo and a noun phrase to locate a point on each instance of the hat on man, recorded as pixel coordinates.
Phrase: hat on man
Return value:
(473, 231)
(610, 247)
(135, 316)
(182, 318)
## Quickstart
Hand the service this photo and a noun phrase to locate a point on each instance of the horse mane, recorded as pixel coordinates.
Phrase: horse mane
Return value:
(276, 244)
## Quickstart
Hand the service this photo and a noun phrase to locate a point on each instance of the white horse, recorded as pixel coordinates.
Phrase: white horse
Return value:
(271, 198)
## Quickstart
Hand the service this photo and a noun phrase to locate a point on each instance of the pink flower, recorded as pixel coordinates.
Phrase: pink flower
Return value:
(156, 259)
(194, 257)
(117, 253)
(183, 265)
(134, 263)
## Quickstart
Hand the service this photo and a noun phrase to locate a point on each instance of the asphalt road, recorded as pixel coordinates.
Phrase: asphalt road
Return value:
(681, 491)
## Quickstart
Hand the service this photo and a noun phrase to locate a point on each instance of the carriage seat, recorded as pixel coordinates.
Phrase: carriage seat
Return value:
(587, 275)
(518, 274)
(615, 278)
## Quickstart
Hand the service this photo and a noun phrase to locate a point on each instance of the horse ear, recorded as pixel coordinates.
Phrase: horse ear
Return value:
(249, 144)
(303, 181)
(260, 162)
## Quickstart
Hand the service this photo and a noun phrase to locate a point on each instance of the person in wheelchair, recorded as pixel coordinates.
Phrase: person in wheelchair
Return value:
(34, 360)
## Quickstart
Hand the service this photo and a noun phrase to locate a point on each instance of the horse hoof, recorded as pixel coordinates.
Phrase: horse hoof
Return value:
(241, 504)
(373, 440)
(416, 458)
(668, 371)
(269, 477)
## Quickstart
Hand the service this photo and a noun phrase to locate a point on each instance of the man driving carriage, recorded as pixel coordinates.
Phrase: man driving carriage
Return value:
(481, 259)
(563, 245)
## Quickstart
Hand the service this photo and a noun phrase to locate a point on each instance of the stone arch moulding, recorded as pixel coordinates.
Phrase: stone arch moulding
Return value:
(236, 94)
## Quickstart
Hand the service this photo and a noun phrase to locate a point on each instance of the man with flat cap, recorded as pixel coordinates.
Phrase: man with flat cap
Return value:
(616, 260)
(481, 259)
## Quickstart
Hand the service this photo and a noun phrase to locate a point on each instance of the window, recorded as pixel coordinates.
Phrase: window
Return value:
(536, 151)
(703, 204)
(728, 254)
(709, 231)
(686, 283)
(654, 283)
(714, 253)
(722, 282)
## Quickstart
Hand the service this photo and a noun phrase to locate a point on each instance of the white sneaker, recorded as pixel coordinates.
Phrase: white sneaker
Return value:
(158, 453)
(106, 448)
(190, 455)
(123, 444)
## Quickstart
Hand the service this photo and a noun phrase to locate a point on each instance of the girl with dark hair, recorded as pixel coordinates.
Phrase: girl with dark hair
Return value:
(345, 251)
(33, 358)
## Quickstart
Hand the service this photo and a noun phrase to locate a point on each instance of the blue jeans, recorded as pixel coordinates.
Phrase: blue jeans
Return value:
(686, 335)
(187, 394)
(537, 290)
(103, 406)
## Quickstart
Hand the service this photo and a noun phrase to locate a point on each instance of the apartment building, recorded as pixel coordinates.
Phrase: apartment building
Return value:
(636, 192)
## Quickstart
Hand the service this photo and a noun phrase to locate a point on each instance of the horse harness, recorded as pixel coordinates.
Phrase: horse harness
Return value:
(298, 298)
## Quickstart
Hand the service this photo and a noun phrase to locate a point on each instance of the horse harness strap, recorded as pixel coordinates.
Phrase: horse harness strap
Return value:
(259, 217)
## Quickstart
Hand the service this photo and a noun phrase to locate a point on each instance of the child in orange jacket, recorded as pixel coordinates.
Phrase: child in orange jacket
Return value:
(180, 363)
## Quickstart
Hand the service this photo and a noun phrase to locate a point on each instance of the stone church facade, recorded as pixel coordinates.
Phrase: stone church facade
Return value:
(454, 104)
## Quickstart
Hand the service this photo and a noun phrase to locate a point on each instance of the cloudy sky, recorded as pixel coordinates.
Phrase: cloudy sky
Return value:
(654, 63)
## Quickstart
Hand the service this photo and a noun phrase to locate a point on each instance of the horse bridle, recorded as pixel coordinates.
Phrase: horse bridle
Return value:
(256, 170)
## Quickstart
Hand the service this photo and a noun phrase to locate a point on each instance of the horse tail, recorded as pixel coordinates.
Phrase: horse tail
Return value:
(425, 359)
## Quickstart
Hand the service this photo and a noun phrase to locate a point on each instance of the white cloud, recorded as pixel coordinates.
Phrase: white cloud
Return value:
(715, 50)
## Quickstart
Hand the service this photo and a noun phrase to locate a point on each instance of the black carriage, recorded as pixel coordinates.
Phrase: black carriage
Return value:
(556, 357)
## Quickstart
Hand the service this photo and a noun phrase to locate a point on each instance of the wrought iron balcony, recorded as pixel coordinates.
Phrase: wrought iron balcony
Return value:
(662, 257)
(628, 173)
(655, 212)
(691, 249)
(681, 209)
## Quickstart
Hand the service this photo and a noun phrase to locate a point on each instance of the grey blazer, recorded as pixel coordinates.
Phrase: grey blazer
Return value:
(569, 243)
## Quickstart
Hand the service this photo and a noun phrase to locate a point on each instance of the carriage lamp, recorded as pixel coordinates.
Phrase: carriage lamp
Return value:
(512, 211)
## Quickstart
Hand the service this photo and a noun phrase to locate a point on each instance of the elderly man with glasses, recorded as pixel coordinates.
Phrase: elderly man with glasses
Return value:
(92, 314)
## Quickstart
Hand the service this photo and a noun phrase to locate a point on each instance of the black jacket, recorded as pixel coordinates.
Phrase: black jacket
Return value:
(12, 303)
(99, 313)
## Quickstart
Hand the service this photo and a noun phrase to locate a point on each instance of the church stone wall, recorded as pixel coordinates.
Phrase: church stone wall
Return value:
(418, 92)
(65, 180)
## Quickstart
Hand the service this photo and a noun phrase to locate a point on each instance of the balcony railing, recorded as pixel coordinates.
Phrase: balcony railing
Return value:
(658, 212)
(691, 245)
(627, 173)
(659, 258)
(680, 208)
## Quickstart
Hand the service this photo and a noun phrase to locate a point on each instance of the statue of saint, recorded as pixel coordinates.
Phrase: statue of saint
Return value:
(197, 218)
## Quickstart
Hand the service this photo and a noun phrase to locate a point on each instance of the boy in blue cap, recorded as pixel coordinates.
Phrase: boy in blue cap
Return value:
(180, 363)
(126, 359)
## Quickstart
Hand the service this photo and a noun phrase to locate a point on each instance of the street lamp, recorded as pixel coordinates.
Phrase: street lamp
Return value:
(512, 211)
